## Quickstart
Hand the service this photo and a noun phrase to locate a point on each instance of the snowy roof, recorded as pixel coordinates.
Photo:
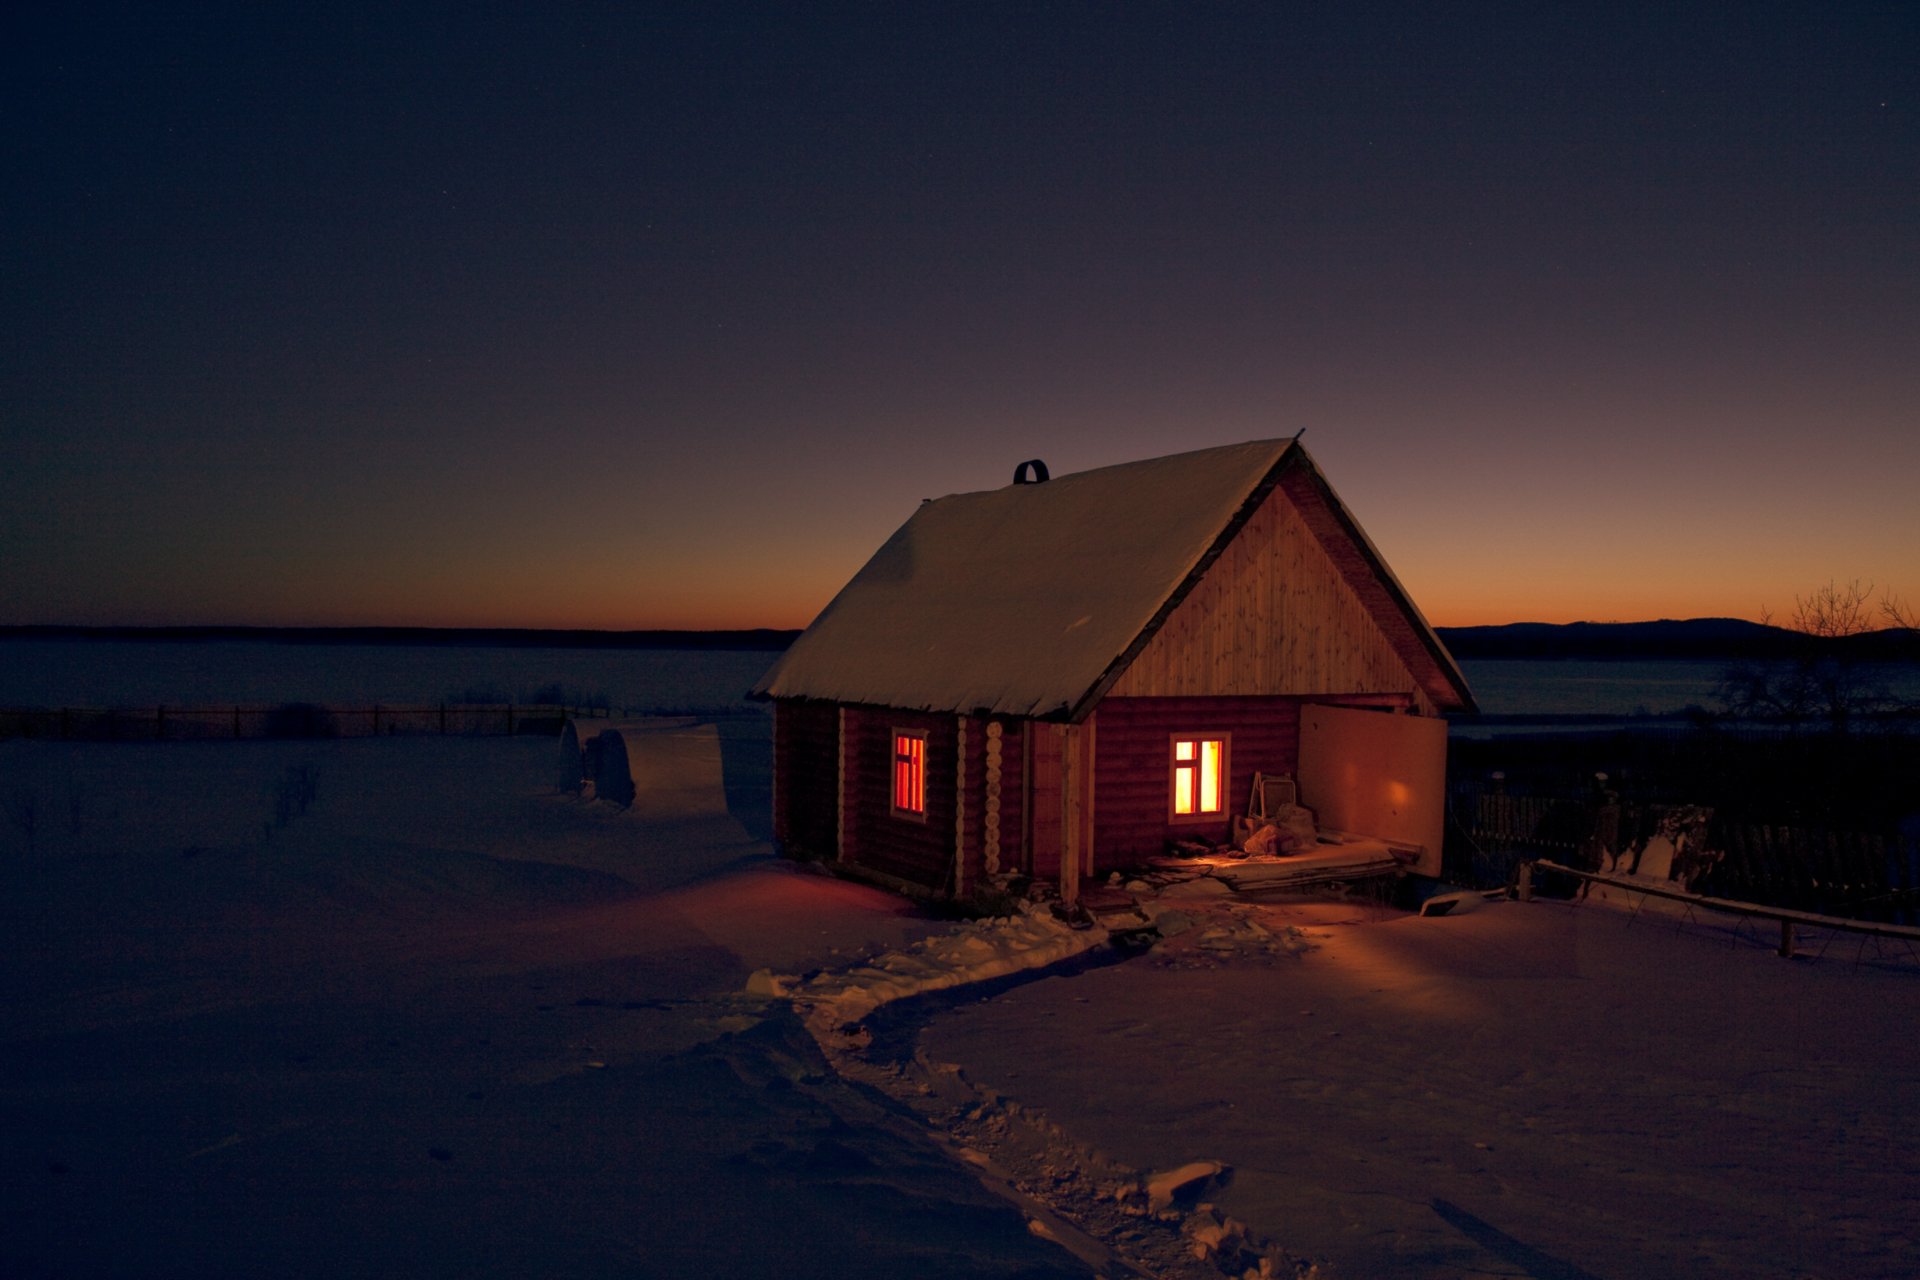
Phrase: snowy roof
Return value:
(1019, 601)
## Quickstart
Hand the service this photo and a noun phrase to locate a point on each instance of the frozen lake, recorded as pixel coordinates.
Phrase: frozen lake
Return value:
(149, 673)
(1624, 687)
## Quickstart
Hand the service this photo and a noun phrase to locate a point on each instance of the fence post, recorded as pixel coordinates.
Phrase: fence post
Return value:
(1786, 939)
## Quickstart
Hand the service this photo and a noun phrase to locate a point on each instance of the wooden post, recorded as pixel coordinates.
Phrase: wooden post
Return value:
(781, 830)
(840, 792)
(990, 844)
(1087, 745)
(960, 808)
(1786, 939)
(1069, 813)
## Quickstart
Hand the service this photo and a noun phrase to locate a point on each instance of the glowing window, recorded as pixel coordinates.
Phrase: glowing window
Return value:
(909, 774)
(1199, 778)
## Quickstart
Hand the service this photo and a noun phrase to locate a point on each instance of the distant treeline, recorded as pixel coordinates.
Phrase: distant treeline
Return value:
(487, 637)
(1724, 638)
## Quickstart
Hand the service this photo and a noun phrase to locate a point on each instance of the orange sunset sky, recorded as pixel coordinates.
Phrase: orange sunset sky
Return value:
(635, 317)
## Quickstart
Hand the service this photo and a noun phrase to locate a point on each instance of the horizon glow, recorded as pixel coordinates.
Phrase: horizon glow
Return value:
(612, 319)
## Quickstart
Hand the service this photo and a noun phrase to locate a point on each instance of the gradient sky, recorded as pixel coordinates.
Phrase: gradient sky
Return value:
(630, 315)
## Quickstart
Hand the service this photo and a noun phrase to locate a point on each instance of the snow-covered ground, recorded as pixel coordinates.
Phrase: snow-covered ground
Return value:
(148, 673)
(380, 1006)
(1532, 1089)
(393, 1007)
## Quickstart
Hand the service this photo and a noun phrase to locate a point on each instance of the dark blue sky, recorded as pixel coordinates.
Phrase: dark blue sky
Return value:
(630, 315)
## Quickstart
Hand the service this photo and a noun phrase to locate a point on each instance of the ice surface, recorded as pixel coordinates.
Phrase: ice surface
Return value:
(149, 673)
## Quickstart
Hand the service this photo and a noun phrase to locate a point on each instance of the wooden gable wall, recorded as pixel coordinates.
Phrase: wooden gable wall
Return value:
(1273, 615)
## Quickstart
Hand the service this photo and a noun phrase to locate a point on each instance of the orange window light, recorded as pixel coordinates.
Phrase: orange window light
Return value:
(1197, 776)
(909, 773)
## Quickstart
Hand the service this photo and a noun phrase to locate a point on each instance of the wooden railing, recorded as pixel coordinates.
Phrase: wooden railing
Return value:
(1860, 874)
(1789, 919)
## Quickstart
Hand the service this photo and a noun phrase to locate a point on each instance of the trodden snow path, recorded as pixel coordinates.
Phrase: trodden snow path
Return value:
(1121, 1221)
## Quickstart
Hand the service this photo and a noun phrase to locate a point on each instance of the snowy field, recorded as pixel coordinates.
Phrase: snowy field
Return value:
(394, 1006)
(148, 673)
(1535, 1089)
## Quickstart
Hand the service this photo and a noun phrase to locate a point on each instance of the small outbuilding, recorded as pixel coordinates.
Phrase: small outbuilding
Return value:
(1066, 675)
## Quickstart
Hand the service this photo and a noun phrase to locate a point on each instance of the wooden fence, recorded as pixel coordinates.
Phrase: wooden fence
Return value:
(288, 720)
(1867, 875)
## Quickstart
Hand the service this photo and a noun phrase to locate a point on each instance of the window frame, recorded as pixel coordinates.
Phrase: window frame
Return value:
(896, 759)
(1175, 766)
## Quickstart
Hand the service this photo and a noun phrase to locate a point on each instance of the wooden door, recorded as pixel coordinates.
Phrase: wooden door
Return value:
(1043, 800)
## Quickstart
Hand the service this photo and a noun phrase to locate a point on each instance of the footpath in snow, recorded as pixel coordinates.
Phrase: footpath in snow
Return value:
(1119, 1219)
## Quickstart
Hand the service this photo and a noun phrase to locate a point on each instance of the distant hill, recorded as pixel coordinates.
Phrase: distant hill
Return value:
(486, 637)
(1726, 638)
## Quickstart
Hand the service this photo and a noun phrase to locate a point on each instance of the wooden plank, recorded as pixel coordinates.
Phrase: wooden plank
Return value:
(1273, 615)
(840, 847)
(960, 808)
(1070, 852)
(1730, 906)
(1044, 795)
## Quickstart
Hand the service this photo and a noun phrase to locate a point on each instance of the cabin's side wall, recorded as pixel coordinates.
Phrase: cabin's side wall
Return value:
(916, 850)
(806, 773)
(1133, 767)
(1274, 615)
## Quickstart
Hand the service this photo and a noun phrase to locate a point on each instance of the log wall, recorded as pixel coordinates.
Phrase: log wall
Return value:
(876, 837)
(806, 745)
(1132, 767)
(1008, 793)
(1274, 615)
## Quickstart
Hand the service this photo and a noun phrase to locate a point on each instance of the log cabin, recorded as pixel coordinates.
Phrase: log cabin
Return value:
(1061, 677)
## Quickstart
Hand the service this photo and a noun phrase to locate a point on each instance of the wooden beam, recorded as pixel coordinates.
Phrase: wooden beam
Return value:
(960, 808)
(1070, 805)
(1787, 916)
(840, 852)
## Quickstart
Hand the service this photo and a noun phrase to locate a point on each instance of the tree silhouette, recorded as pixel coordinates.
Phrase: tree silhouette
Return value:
(1824, 682)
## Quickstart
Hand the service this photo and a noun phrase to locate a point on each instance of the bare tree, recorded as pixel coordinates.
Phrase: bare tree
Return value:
(1902, 617)
(1823, 680)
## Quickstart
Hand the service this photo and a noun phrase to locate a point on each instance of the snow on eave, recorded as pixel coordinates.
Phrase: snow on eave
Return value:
(1025, 600)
